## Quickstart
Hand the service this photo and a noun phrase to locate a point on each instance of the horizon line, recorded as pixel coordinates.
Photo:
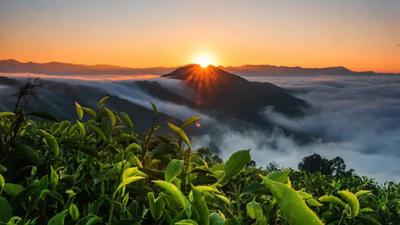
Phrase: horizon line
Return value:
(177, 66)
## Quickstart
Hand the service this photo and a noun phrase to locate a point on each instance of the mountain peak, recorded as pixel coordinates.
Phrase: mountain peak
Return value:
(210, 75)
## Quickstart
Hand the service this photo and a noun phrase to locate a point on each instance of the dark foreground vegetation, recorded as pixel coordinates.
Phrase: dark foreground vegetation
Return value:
(98, 170)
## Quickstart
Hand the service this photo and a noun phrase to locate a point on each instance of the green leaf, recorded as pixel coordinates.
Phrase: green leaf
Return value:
(224, 199)
(331, 199)
(313, 202)
(291, 204)
(281, 176)
(235, 164)
(52, 142)
(74, 211)
(174, 191)
(82, 130)
(3, 169)
(94, 220)
(201, 206)
(217, 219)
(352, 200)
(54, 178)
(79, 111)
(179, 132)
(156, 206)
(13, 189)
(186, 222)
(5, 210)
(99, 133)
(89, 111)
(173, 170)
(255, 188)
(102, 101)
(6, 114)
(132, 171)
(58, 219)
(2, 183)
(127, 120)
(128, 181)
(133, 146)
(254, 210)
(190, 121)
(110, 116)
(362, 192)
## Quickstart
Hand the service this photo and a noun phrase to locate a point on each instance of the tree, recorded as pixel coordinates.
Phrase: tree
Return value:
(317, 163)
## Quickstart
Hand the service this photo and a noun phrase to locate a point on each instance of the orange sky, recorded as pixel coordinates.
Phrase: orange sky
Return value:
(361, 35)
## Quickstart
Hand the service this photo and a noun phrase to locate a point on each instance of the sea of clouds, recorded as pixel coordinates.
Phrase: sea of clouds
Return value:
(356, 118)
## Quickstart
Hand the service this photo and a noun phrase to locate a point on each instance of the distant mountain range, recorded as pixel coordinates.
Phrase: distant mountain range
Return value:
(58, 68)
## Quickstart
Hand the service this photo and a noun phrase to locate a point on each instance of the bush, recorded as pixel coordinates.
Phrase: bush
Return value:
(98, 170)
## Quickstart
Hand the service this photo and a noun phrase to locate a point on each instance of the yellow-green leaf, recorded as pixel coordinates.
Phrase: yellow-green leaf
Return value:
(79, 111)
(6, 114)
(128, 181)
(190, 121)
(201, 206)
(52, 142)
(352, 200)
(331, 199)
(74, 211)
(174, 191)
(110, 116)
(102, 101)
(82, 130)
(235, 164)
(179, 132)
(173, 169)
(291, 204)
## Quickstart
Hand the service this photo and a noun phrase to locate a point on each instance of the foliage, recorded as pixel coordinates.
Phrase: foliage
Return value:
(98, 170)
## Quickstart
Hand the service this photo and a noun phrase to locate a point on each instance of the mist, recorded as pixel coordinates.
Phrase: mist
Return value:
(356, 118)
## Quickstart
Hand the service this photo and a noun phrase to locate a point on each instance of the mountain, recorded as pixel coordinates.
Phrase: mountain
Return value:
(57, 98)
(268, 70)
(225, 95)
(58, 68)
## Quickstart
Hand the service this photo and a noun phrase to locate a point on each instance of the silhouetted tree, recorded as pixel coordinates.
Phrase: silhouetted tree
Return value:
(338, 166)
(317, 163)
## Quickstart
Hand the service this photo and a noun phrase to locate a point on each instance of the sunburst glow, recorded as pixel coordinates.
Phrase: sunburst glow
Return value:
(204, 60)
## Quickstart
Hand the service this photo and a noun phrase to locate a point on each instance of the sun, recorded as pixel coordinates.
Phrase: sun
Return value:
(204, 60)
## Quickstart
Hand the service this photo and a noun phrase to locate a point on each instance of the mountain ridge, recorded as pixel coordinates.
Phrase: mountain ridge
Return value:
(60, 68)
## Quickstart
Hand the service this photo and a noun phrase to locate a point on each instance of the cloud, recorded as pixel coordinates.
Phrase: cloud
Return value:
(357, 118)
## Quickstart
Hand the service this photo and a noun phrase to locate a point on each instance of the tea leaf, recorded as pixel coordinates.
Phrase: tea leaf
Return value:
(179, 132)
(102, 101)
(79, 111)
(190, 121)
(6, 114)
(58, 219)
(352, 200)
(201, 206)
(235, 164)
(173, 170)
(174, 191)
(5, 210)
(111, 116)
(291, 204)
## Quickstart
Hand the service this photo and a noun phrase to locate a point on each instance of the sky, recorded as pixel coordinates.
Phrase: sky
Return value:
(358, 34)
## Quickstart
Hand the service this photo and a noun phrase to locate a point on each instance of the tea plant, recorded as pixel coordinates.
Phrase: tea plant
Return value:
(99, 170)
